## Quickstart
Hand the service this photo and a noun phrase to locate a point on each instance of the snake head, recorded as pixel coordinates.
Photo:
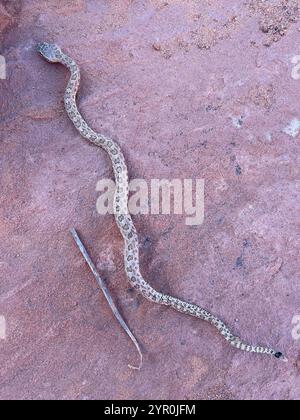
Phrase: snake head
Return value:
(51, 52)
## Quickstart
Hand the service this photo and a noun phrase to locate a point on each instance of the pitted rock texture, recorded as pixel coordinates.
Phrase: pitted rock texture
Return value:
(188, 91)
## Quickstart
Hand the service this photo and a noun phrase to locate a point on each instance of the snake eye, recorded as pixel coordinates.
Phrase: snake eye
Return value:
(278, 355)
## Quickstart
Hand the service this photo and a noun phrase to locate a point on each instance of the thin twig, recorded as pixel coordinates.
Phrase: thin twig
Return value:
(107, 295)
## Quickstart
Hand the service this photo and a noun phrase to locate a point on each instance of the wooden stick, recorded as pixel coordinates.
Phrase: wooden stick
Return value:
(107, 295)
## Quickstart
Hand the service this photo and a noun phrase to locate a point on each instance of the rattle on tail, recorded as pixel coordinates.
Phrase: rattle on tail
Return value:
(53, 54)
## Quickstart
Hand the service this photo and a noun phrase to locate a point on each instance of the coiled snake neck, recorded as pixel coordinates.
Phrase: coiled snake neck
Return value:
(54, 54)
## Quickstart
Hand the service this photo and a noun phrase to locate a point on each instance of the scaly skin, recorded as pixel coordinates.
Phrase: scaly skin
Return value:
(54, 54)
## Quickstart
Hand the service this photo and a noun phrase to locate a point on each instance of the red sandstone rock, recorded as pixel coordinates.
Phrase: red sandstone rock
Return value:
(5, 18)
(188, 91)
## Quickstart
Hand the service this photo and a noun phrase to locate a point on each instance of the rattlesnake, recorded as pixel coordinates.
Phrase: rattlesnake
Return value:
(54, 54)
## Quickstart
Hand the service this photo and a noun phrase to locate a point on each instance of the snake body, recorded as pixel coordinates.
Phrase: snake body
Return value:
(52, 53)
